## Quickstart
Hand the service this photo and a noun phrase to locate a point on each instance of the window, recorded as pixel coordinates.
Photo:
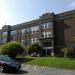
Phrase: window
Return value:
(34, 29)
(23, 31)
(47, 44)
(27, 30)
(33, 40)
(4, 34)
(4, 40)
(13, 33)
(47, 25)
(46, 34)
(27, 41)
(49, 34)
(22, 42)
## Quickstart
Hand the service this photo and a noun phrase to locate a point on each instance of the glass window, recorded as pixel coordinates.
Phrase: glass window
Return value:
(13, 33)
(33, 40)
(27, 30)
(46, 34)
(47, 25)
(27, 41)
(22, 42)
(49, 34)
(43, 26)
(34, 29)
(23, 31)
(4, 40)
(46, 44)
(4, 34)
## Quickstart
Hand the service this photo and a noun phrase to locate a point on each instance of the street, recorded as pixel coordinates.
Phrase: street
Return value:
(40, 70)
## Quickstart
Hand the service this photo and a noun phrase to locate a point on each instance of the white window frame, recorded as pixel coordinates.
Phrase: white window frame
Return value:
(33, 40)
(46, 34)
(23, 31)
(47, 25)
(34, 29)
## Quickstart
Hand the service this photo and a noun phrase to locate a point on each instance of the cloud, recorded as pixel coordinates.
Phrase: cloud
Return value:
(72, 4)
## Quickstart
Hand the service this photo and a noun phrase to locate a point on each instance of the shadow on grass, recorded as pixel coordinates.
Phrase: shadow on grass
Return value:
(24, 59)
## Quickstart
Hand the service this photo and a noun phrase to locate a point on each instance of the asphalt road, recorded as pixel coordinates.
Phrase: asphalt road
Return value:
(38, 70)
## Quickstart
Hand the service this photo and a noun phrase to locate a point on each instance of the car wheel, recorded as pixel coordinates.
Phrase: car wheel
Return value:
(1, 69)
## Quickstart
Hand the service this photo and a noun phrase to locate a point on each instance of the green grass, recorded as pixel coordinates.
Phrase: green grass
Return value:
(56, 62)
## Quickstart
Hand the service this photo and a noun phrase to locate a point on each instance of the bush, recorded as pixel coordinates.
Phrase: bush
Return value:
(33, 48)
(67, 52)
(12, 49)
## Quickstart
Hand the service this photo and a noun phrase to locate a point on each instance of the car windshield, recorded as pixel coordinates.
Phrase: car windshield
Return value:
(5, 58)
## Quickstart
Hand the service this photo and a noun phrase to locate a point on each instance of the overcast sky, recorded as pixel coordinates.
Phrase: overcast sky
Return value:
(13, 12)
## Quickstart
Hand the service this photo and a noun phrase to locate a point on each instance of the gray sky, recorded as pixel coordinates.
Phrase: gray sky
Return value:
(13, 12)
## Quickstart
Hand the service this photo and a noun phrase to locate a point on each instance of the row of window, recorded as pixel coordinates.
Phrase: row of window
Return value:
(27, 41)
(34, 29)
(47, 25)
(46, 34)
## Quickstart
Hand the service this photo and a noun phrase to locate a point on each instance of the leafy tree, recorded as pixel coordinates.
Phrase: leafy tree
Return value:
(12, 49)
(33, 48)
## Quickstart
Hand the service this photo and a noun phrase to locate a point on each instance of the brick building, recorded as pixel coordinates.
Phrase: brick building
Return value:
(51, 31)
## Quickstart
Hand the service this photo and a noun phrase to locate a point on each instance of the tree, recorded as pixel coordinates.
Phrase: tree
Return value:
(33, 48)
(12, 49)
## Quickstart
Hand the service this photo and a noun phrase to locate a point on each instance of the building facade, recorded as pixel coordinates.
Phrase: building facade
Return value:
(51, 31)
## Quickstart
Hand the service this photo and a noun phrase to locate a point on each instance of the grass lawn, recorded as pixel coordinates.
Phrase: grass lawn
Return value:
(57, 62)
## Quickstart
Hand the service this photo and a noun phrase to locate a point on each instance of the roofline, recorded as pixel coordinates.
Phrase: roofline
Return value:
(65, 14)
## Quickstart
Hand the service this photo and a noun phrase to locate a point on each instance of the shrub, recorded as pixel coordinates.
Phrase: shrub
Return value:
(67, 52)
(33, 48)
(12, 49)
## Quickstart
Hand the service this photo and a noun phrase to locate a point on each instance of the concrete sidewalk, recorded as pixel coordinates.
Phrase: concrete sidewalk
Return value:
(38, 70)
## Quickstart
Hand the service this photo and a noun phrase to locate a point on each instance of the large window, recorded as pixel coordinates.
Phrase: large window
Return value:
(34, 29)
(33, 40)
(4, 37)
(47, 25)
(23, 31)
(47, 44)
(27, 41)
(46, 34)
(4, 40)
(4, 34)
(22, 42)
(13, 33)
(27, 30)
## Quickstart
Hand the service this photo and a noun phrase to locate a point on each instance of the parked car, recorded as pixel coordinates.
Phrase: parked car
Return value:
(7, 63)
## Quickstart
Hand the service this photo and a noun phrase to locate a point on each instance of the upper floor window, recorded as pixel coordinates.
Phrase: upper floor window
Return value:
(13, 33)
(27, 30)
(47, 25)
(46, 34)
(34, 29)
(33, 40)
(4, 34)
(22, 42)
(23, 31)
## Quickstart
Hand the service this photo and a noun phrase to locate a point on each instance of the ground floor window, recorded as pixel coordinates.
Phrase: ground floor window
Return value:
(47, 44)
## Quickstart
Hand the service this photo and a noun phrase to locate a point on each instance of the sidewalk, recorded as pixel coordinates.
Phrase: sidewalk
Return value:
(42, 70)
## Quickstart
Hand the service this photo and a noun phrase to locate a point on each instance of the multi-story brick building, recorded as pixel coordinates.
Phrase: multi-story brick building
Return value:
(51, 31)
